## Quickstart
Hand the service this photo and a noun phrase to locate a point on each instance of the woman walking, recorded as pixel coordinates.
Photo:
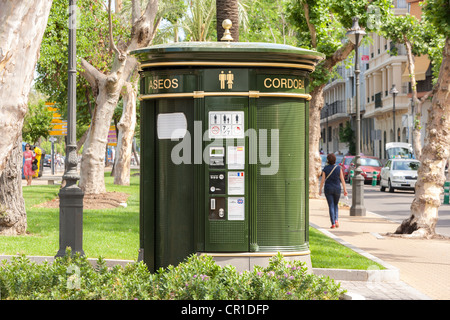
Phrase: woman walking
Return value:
(27, 166)
(332, 177)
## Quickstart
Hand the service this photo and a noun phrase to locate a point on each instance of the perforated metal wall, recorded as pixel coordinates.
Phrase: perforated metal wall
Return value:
(281, 192)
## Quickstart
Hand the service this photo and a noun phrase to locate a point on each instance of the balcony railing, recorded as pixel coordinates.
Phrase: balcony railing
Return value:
(423, 85)
(332, 109)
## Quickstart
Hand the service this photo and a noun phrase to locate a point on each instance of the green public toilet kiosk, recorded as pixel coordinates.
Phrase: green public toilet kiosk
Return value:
(224, 152)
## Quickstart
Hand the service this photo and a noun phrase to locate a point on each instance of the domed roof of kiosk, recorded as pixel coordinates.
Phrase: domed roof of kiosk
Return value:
(228, 51)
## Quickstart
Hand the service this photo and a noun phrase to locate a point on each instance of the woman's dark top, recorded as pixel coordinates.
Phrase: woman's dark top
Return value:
(333, 182)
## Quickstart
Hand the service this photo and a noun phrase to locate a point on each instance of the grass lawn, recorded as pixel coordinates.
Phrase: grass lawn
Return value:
(114, 233)
(328, 253)
(110, 233)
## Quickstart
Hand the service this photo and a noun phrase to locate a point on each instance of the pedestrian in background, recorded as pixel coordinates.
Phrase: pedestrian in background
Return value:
(29, 156)
(332, 177)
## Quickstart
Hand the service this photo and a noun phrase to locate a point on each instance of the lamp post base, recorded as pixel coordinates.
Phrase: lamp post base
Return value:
(70, 220)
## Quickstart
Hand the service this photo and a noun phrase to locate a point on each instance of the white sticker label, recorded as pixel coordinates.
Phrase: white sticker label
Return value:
(226, 124)
(236, 183)
(236, 158)
(236, 208)
(171, 125)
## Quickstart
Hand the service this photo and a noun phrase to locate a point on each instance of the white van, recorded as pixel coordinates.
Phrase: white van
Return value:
(399, 150)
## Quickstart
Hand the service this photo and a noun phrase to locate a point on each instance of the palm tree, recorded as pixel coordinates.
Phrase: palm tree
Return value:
(197, 21)
(227, 9)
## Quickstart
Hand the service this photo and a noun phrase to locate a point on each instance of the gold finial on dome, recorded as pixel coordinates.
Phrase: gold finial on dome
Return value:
(226, 24)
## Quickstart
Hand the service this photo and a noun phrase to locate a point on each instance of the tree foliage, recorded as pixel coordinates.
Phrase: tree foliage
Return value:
(198, 22)
(92, 45)
(37, 122)
(266, 21)
(322, 25)
(437, 12)
(422, 35)
(347, 135)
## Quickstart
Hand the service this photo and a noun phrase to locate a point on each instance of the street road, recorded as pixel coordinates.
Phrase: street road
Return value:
(396, 206)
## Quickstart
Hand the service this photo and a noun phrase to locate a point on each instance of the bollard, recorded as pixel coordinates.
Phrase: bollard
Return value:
(374, 179)
(446, 192)
(351, 176)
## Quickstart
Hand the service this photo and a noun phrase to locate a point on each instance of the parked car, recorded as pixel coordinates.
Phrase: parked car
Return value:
(399, 174)
(345, 163)
(48, 160)
(369, 164)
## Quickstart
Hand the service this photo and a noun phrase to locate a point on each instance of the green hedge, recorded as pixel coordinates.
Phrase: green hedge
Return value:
(197, 278)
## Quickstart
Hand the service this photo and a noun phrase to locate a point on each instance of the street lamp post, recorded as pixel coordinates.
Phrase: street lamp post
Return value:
(355, 34)
(394, 92)
(71, 196)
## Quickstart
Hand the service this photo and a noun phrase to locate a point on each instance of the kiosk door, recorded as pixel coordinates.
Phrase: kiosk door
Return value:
(226, 218)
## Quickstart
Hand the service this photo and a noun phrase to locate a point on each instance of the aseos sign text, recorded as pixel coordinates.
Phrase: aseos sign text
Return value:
(160, 84)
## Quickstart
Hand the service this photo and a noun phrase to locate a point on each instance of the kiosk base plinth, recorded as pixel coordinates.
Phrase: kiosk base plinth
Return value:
(247, 260)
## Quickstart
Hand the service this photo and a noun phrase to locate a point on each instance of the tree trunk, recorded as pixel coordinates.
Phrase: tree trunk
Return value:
(13, 217)
(417, 134)
(227, 9)
(92, 162)
(315, 106)
(109, 88)
(22, 26)
(431, 174)
(126, 128)
(417, 145)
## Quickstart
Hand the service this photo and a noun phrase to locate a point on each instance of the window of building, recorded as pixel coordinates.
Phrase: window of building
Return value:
(401, 4)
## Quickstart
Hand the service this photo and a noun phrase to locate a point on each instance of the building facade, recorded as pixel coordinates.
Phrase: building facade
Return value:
(384, 117)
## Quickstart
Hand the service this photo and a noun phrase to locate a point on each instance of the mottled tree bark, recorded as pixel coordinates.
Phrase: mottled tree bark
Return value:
(126, 127)
(13, 217)
(431, 174)
(22, 26)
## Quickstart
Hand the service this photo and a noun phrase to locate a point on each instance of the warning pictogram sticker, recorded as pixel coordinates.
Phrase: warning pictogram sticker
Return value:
(225, 124)
(215, 130)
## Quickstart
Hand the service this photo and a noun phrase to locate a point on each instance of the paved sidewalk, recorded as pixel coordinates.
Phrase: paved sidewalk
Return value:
(424, 265)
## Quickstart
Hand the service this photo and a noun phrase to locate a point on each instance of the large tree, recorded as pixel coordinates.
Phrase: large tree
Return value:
(419, 37)
(436, 151)
(97, 26)
(108, 87)
(321, 26)
(22, 25)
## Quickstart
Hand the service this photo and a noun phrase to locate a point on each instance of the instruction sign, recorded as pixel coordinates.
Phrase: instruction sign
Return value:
(226, 124)
(236, 183)
(236, 157)
(236, 208)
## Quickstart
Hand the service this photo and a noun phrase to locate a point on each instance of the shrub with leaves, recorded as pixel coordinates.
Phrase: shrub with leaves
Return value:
(197, 278)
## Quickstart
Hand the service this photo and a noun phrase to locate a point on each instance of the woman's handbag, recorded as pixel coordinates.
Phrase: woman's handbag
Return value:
(34, 166)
